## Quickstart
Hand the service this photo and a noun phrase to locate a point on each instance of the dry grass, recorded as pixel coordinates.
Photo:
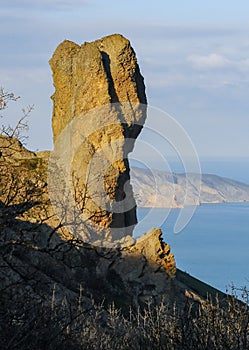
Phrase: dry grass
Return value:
(29, 324)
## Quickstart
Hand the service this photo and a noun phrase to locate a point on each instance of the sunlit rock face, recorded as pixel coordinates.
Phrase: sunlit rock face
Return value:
(99, 108)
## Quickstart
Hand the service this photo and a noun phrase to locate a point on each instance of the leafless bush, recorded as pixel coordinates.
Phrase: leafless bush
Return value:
(61, 325)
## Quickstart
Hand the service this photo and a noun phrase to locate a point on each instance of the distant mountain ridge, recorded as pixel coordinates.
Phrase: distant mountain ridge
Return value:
(155, 188)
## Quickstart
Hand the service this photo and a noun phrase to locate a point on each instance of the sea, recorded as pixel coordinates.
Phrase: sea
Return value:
(214, 245)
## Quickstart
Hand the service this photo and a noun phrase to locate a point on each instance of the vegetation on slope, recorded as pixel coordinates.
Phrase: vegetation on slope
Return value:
(51, 296)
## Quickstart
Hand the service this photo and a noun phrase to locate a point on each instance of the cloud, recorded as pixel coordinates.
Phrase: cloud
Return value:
(244, 64)
(45, 5)
(212, 60)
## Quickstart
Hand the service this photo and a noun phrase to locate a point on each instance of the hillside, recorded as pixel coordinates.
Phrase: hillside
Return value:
(161, 189)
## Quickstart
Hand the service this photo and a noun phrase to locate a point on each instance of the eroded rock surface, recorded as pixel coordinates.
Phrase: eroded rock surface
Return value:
(100, 93)
(12, 149)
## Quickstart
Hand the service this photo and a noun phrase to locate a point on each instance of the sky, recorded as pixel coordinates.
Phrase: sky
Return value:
(194, 56)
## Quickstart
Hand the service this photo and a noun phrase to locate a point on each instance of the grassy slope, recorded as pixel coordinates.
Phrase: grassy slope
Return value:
(202, 289)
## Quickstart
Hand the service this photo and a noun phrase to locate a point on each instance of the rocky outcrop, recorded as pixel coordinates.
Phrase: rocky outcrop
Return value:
(40, 254)
(42, 251)
(40, 260)
(94, 75)
(12, 149)
(99, 110)
(156, 251)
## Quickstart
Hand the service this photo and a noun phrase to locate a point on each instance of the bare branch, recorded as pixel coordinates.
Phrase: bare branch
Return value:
(6, 97)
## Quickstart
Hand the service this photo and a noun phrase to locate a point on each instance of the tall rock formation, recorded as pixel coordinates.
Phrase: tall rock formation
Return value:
(99, 110)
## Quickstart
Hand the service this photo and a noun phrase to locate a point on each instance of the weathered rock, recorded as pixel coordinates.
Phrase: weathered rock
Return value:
(147, 268)
(156, 251)
(100, 93)
(13, 149)
(129, 276)
(94, 75)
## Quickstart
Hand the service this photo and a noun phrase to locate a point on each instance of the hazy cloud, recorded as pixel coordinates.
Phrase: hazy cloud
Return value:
(244, 64)
(212, 60)
(44, 5)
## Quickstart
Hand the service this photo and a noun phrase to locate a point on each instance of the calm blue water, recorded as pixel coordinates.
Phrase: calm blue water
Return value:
(213, 247)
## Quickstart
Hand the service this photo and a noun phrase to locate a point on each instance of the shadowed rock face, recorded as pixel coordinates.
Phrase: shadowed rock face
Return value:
(100, 92)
